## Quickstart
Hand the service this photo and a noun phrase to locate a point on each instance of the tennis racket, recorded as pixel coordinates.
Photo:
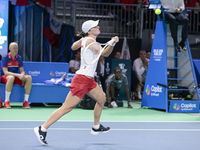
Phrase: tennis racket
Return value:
(163, 85)
(92, 52)
(170, 87)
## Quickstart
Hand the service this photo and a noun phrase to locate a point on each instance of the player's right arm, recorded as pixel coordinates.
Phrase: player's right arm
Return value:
(94, 46)
(76, 45)
(108, 93)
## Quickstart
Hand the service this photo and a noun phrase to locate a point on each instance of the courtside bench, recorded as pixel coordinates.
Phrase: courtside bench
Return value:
(40, 92)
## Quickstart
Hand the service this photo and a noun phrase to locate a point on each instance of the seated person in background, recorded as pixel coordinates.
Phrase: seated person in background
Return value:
(118, 55)
(140, 66)
(11, 63)
(173, 14)
(148, 54)
(146, 2)
(139, 2)
(194, 15)
(190, 3)
(127, 13)
(134, 83)
(74, 65)
(146, 17)
(113, 86)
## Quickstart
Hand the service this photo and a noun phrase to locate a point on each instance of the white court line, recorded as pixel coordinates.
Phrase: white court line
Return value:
(86, 129)
(102, 121)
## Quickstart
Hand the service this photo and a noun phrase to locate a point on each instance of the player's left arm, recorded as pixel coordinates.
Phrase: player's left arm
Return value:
(109, 49)
(127, 92)
(125, 80)
(128, 97)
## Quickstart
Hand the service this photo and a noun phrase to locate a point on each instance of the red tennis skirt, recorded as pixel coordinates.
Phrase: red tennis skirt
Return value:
(81, 84)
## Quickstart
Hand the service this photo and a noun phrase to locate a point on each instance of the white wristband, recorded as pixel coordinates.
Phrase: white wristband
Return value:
(111, 43)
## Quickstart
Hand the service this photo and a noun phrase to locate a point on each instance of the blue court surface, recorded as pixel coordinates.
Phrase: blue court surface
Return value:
(67, 135)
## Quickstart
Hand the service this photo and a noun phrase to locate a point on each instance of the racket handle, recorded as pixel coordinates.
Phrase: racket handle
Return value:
(162, 85)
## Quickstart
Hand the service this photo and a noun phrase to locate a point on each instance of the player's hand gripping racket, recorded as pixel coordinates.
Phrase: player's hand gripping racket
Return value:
(94, 50)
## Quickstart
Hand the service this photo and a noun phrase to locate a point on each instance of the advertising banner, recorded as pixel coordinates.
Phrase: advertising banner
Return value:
(194, 40)
(4, 5)
(184, 107)
(155, 96)
(197, 68)
(154, 4)
(45, 70)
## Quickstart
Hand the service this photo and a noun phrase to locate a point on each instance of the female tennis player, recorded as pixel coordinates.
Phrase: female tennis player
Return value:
(83, 82)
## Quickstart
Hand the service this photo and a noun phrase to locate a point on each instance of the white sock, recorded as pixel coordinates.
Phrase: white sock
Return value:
(96, 126)
(26, 97)
(7, 96)
(43, 129)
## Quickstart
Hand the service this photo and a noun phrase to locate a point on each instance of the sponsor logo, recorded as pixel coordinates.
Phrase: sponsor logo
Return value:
(184, 106)
(189, 106)
(107, 68)
(41, 137)
(2, 38)
(1, 22)
(155, 90)
(34, 73)
(121, 66)
(57, 73)
(147, 90)
(52, 73)
(176, 106)
(157, 54)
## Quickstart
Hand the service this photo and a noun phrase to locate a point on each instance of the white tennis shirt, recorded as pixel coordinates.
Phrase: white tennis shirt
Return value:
(87, 70)
(171, 5)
